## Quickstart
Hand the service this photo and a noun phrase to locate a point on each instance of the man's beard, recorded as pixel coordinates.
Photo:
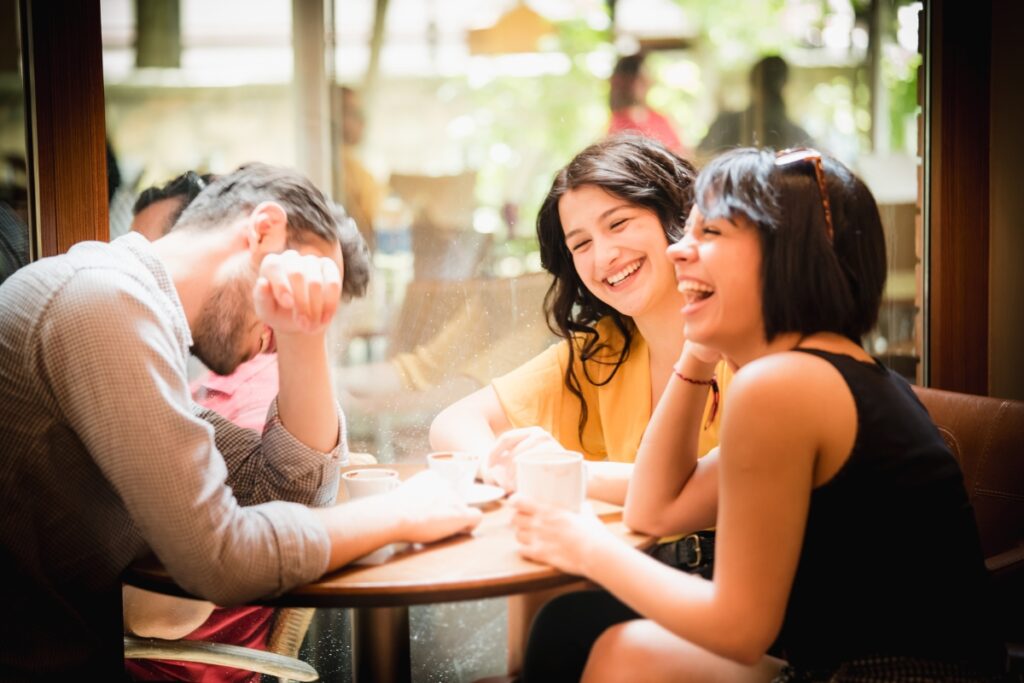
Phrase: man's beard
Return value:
(219, 336)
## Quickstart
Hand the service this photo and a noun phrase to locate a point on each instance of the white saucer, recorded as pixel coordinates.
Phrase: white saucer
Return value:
(482, 494)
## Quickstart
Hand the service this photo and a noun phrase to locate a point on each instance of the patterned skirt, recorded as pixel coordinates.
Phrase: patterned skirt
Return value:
(893, 670)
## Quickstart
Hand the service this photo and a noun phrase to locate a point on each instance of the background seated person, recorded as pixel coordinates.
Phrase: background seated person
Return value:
(765, 122)
(627, 95)
(159, 207)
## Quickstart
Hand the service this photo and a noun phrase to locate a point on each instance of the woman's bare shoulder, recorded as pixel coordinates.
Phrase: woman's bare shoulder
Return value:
(789, 383)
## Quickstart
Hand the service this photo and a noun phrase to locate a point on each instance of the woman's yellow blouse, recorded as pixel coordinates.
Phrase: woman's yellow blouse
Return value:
(535, 394)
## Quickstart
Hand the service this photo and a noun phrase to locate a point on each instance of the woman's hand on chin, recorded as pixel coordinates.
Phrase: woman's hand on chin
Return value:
(699, 353)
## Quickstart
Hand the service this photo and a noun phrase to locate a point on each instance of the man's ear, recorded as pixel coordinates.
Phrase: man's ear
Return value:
(267, 229)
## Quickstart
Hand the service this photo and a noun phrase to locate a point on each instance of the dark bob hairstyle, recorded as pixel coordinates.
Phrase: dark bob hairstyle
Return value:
(810, 283)
(641, 171)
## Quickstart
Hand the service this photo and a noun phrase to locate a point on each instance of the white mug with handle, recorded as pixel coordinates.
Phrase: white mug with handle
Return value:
(552, 478)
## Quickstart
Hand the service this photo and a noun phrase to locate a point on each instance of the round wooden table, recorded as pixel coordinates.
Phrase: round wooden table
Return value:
(480, 565)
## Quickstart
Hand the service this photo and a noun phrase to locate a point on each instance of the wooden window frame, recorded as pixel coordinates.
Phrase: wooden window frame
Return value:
(62, 57)
(956, 195)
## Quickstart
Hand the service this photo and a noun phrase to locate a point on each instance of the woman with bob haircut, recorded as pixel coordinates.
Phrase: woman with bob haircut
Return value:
(844, 533)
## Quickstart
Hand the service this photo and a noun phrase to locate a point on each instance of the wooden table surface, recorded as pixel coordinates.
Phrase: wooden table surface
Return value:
(466, 567)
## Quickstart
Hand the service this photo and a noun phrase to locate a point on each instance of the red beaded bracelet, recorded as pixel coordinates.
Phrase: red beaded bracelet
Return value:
(715, 393)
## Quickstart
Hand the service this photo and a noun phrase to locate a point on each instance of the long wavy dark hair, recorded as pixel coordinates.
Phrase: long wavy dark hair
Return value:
(642, 172)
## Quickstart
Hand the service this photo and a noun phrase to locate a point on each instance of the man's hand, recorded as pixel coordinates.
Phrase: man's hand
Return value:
(297, 293)
(430, 509)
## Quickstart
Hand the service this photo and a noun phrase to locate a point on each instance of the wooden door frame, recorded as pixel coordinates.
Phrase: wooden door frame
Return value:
(956, 195)
(62, 51)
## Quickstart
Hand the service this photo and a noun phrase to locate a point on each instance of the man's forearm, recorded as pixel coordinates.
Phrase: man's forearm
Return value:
(305, 402)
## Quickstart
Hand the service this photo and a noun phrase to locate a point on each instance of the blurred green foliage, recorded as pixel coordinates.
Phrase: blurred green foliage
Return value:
(520, 147)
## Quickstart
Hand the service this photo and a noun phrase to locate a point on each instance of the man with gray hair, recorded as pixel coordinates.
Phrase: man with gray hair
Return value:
(105, 457)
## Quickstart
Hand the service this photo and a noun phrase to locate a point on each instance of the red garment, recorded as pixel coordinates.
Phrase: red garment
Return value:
(246, 626)
(647, 122)
(244, 397)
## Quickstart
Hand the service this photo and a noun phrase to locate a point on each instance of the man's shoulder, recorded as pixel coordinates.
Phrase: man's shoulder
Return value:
(95, 285)
(44, 284)
(104, 276)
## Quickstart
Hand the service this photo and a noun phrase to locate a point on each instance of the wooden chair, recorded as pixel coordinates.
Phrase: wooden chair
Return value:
(279, 659)
(987, 437)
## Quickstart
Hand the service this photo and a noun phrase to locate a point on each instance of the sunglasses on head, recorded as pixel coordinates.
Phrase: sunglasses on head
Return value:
(800, 155)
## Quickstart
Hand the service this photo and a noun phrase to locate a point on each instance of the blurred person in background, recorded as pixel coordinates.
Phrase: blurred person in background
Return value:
(14, 245)
(765, 122)
(159, 207)
(358, 191)
(627, 98)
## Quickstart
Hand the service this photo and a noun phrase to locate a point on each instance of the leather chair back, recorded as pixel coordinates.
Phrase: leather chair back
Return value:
(987, 437)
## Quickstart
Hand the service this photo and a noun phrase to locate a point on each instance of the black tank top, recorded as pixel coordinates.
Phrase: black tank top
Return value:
(891, 562)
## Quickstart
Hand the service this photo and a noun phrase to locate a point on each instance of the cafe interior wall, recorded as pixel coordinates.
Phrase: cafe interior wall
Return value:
(1006, 230)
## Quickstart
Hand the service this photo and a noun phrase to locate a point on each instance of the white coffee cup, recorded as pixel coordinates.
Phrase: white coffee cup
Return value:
(370, 482)
(457, 468)
(552, 478)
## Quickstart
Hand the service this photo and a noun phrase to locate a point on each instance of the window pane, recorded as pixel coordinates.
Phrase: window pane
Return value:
(225, 99)
(458, 122)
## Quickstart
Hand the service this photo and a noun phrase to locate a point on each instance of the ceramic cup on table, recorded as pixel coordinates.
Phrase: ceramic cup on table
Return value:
(552, 478)
(457, 468)
(370, 482)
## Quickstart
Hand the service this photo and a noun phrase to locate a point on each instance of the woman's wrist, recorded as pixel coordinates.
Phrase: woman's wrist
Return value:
(598, 553)
(698, 373)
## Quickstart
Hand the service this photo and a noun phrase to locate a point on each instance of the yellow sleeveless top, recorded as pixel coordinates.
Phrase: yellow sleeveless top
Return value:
(535, 394)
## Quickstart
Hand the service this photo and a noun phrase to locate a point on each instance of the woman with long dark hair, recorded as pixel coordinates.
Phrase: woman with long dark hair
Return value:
(603, 229)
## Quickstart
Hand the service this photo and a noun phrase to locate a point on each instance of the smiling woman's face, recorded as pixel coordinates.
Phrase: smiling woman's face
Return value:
(618, 249)
(718, 269)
